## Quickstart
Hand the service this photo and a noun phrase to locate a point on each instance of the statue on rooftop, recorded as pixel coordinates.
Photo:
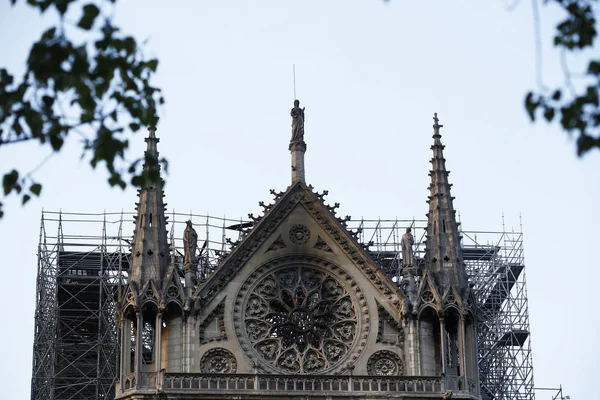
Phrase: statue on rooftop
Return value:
(407, 248)
(190, 244)
(297, 114)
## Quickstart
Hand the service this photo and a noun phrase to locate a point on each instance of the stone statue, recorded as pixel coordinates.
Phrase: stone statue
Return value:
(297, 114)
(190, 244)
(407, 248)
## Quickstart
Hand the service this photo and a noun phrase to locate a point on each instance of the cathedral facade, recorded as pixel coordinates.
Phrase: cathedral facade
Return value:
(298, 308)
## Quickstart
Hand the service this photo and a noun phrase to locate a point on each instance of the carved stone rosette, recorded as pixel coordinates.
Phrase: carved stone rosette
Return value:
(385, 363)
(218, 361)
(299, 234)
(297, 316)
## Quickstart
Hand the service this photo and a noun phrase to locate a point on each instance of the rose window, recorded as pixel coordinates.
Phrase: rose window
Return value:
(218, 361)
(385, 363)
(299, 319)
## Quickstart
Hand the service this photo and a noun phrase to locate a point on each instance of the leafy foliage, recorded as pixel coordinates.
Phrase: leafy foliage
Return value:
(578, 110)
(97, 87)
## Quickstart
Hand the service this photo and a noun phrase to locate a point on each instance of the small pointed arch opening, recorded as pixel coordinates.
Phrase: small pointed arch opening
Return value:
(452, 341)
(430, 339)
(148, 332)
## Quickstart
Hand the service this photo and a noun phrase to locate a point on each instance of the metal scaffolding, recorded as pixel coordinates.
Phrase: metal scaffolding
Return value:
(496, 269)
(83, 263)
(75, 341)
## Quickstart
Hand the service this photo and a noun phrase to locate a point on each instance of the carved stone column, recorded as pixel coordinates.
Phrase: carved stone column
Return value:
(462, 351)
(158, 342)
(418, 346)
(138, 348)
(190, 280)
(475, 357)
(298, 149)
(443, 344)
(125, 340)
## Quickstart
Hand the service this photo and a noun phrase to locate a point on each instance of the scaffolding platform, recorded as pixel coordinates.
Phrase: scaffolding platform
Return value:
(480, 253)
(513, 338)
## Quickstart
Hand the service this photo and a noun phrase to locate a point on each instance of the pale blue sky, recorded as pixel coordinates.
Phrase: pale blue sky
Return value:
(371, 75)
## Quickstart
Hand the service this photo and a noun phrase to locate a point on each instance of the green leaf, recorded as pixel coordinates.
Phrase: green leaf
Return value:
(48, 101)
(152, 65)
(9, 181)
(61, 5)
(90, 12)
(134, 127)
(549, 114)
(584, 144)
(594, 68)
(556, 95)
(56, 141)
(26, 198)
(36, 188)
(531, 105)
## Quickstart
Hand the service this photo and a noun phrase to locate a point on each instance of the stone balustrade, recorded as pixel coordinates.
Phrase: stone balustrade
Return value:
(331, 385)
(310, 383)
(473, 386)
(127, 383)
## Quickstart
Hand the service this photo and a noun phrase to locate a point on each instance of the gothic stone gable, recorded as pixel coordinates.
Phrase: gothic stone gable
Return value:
(308, 305)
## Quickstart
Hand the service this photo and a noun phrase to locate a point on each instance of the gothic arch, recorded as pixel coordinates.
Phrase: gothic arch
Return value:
(429, 335)
(173, 308)
(426, 308)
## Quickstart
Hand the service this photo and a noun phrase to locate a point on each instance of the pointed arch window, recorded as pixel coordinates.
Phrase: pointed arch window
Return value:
(148, 343)
(132, 336)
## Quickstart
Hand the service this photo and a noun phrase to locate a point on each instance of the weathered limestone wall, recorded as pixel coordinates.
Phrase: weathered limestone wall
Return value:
(172, 345)
(470, 354)
(410, 351)
(427, 345)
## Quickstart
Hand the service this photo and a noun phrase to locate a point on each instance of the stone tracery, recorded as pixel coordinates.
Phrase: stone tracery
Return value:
(385, 363)
(218, 361)
(298, 319)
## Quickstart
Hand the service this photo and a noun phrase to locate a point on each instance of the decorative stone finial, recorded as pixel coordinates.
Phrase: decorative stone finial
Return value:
(436, 121)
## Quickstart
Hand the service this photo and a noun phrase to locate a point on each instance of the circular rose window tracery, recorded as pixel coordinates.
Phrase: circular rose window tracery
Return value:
(298, 319)
(385, 363)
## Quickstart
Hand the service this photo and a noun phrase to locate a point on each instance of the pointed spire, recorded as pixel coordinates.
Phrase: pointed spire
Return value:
(297, 145)
(443, 253)
(150, 250)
